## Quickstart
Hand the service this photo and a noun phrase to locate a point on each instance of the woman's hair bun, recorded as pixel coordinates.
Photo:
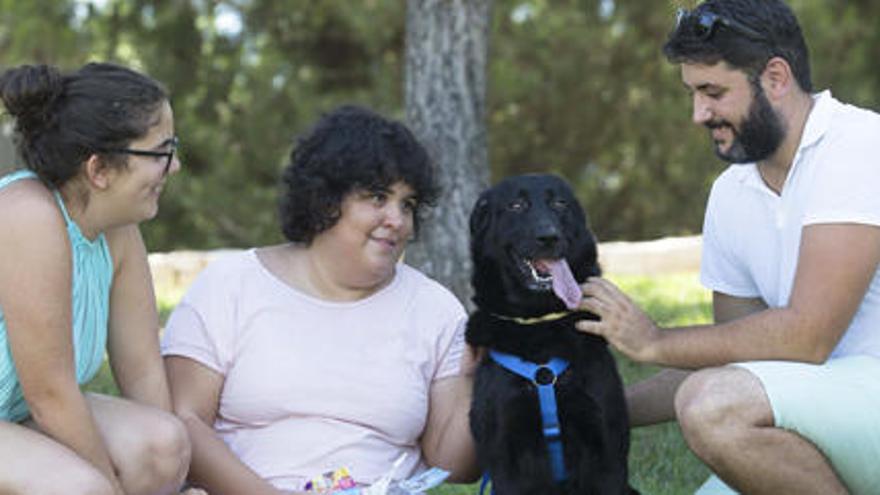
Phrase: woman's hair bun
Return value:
(28, 93)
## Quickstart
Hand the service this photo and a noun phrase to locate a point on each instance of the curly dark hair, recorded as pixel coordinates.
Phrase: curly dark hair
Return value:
(348, 149)
(63, 118)
(780, 36)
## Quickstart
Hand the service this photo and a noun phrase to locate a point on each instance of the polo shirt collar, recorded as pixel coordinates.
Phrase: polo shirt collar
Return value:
(818, 122)
(819, 119)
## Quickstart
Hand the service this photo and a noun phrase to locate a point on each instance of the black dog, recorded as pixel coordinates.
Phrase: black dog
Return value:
(526, 232)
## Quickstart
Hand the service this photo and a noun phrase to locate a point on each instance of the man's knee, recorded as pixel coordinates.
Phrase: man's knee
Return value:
(715, 404)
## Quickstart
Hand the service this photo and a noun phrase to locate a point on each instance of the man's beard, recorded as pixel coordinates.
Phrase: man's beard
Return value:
(759, 135)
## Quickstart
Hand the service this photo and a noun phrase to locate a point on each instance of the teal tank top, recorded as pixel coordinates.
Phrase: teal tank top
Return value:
(92, 276)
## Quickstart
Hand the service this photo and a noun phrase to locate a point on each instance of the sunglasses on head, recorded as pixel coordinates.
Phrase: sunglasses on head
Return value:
(168, 155)
(705, 23)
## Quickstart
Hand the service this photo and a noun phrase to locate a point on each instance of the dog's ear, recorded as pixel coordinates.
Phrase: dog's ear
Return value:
(480, 215)
(595, 269)
(577, 209)
(585, 243)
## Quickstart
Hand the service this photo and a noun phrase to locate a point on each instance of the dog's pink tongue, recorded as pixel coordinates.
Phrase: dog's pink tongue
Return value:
(564, 285)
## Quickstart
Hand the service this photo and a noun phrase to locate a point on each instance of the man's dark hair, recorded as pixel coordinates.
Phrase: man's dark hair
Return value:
(348, 149)
(63, 118)
(780, 36)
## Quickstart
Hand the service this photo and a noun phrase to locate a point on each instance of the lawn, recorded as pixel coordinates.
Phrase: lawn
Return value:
(660, 463)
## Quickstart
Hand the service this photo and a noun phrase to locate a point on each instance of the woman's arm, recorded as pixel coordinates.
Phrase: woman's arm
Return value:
(133, 339)
(447, 441)
(195, 395)
(35, 294)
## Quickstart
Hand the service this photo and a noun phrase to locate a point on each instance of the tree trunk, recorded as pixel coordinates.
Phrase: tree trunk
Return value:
(446, 50)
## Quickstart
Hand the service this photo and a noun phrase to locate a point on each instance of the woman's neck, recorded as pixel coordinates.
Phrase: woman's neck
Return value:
(319, 274)
(81, 210)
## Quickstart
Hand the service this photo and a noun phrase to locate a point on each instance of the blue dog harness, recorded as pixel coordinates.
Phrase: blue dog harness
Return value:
(544, 377)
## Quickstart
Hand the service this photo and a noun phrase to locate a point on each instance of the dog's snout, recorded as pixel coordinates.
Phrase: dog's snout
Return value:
(548, 237)
(548, 240)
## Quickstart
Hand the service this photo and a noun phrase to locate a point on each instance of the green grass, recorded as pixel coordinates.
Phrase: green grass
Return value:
(660, 463)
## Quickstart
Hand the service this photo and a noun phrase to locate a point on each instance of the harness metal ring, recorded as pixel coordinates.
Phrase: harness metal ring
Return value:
(544, 375)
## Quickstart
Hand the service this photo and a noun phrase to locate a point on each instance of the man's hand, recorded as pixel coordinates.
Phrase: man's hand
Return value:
(623, 324)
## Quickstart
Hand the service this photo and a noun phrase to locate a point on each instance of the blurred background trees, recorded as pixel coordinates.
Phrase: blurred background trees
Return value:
(447, 45)
(575, 87)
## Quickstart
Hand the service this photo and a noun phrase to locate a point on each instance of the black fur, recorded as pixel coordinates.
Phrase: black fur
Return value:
(538, 217)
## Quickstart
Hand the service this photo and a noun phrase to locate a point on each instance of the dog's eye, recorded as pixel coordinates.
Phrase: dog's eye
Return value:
(558, 204)
(518, 205)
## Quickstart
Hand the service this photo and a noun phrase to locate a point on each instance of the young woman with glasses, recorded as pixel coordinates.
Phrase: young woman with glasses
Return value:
(98, 145)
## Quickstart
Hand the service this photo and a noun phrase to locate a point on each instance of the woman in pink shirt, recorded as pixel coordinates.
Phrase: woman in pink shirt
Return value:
(288, 361)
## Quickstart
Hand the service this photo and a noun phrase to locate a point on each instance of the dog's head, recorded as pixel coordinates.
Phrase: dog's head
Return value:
(526, 232)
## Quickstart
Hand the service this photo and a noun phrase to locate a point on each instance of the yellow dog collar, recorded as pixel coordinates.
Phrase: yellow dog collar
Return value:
(536, 319)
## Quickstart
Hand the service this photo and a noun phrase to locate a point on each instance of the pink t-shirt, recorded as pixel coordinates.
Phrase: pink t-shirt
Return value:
(312, 385)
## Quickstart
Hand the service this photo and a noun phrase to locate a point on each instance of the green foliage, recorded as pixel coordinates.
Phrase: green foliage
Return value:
(612, 117)
(577, 87)
(40, 31)
(240, 97)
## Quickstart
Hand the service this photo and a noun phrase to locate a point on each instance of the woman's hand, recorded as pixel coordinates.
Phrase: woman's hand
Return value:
(622, 323)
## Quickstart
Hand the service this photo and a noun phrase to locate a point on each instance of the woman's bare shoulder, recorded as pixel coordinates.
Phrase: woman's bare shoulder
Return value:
(30, 214)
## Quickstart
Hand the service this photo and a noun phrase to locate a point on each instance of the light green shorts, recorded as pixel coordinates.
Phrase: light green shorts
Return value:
(836, 406)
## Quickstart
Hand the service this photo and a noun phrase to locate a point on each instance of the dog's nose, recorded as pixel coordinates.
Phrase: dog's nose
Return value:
(547, 234)
(548, 239)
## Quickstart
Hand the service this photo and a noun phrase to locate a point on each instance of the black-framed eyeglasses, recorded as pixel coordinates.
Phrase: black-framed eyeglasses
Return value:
(168, 155)
(705, 24)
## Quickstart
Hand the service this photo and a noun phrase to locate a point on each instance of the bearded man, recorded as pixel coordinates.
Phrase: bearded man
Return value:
(781, 393)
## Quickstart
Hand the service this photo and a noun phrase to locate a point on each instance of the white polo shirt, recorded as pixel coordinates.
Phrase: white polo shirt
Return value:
(751, 235)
